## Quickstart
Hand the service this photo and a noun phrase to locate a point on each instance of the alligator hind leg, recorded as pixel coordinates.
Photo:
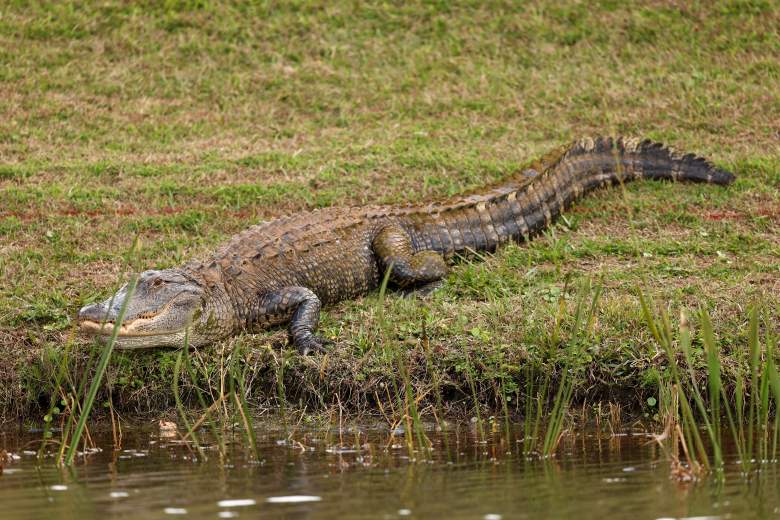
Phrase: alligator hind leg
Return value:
(301, 307)
(393, 247)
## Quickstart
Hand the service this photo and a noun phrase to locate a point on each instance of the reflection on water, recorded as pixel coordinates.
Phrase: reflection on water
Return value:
(363, 473)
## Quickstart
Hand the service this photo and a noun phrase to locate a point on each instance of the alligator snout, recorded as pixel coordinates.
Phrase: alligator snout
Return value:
(96, 318)
(95, 312)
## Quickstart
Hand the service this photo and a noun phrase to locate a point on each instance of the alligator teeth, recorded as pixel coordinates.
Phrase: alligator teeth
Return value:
(107, 328)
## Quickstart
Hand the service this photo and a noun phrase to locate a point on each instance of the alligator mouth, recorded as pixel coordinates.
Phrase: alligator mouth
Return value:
(129, 328)
(125, 330)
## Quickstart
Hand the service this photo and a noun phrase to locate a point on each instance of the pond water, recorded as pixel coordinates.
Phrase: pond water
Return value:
(367, 473)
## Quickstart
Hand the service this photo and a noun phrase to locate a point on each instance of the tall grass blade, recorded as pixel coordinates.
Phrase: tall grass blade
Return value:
(529, 410)
(86, 407)
(755, 353)
(177, 397)
(381, 299)
(475, 397)
(202, 400)
(714, 379)
(698, 399)
(237, 386)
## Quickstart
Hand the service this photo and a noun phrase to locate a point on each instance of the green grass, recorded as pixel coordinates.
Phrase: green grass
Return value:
(694, 411)
(184, 122)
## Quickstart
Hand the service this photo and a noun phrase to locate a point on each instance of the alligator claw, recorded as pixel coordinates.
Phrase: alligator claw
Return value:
(424, 291)
(313, 344)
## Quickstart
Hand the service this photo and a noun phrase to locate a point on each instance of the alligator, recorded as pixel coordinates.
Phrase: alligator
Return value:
(283, 271)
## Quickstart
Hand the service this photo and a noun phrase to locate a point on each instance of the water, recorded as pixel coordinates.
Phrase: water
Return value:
(364, 473)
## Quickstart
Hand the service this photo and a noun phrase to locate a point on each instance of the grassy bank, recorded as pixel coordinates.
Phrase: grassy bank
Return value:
(183, 124)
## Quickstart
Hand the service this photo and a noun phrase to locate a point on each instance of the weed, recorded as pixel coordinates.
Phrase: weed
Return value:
(689, 409)
(191, 431)
(547, 405)
(89, 401)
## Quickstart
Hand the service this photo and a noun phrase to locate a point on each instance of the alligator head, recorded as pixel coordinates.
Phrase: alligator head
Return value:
(164, 305)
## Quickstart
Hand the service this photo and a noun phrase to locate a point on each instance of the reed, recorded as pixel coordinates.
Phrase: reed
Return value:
(66, 387)
(475, 397)
(208, 416)
(695, 416)
(583, 322)
(436, 377)
(380, 306)
(682, 421)
(238, 391)
(60, 399)
(416, 438)
(502, 392)
(546, 410)
(191, 433)
(97, 379)
(407, 397)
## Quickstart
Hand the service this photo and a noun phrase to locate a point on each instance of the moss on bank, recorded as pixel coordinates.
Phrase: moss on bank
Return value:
(184, 125)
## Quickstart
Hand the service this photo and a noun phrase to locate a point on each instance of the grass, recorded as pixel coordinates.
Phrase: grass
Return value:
(184, 122)
(694, 416)
(85, 409)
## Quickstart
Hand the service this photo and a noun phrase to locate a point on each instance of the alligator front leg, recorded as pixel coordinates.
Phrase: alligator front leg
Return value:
(301, 307)
(393, 247)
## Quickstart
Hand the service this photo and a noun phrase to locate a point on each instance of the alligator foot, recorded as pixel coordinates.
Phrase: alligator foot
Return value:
(423, 291)
(312, 344)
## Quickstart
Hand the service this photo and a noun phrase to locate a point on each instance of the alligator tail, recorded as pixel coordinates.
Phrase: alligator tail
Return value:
(635, 159)
(527, 203)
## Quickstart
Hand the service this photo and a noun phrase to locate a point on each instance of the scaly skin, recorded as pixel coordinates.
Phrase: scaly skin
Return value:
(283, 271)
